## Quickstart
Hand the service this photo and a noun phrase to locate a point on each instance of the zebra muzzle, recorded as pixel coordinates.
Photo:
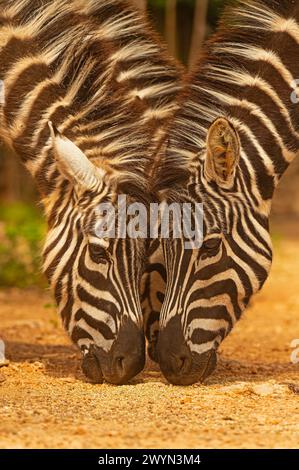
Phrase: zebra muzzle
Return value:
(178, 363)
(123, 361)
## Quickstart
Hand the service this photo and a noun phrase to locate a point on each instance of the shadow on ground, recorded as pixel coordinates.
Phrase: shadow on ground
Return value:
(65, 361)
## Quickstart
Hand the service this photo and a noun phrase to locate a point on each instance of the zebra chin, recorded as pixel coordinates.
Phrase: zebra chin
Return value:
(122, 362)
(178, 363)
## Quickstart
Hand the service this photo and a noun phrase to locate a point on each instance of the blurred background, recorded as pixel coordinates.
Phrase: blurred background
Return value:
(184, 24)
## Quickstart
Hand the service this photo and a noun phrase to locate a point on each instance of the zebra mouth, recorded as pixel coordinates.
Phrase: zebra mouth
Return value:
(91, 367)
(204, 365)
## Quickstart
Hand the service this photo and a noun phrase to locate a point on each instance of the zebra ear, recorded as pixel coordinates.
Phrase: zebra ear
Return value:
(73, 163)
(223, 153)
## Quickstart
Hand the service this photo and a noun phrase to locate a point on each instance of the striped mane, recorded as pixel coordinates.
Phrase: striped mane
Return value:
(95, 69)
(245, 73)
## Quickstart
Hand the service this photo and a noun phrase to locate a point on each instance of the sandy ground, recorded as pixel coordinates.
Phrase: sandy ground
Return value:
(251, 401)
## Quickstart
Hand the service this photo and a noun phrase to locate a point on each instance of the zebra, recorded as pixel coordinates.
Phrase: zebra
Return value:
(232, 139)
(88, 90)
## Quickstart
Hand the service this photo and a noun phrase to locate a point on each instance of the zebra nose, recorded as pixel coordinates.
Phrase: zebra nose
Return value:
(177, 362)
(126, 358)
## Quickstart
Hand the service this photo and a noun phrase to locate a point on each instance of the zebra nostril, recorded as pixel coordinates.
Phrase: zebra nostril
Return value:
(123, 368)
(184, 363)
(181, 362)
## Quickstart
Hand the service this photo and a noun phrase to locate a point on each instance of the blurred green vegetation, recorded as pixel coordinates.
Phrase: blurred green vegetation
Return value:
(215, 7)
(21, 230)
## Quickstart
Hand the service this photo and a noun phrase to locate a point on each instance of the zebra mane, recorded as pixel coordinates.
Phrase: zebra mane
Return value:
(100, 74)
(246, 29)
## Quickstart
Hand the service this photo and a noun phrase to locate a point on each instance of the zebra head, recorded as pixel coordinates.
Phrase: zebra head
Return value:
(208, 288)
(95, 278)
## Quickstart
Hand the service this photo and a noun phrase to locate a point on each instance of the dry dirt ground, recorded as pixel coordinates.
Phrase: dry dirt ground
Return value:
(251, 401)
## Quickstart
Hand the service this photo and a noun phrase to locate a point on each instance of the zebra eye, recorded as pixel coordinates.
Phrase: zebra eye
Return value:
(212, 244)
(98, 254)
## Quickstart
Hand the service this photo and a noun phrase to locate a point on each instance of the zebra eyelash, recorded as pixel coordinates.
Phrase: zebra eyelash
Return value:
(212, 243)
(98, 253)
(210, 247)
